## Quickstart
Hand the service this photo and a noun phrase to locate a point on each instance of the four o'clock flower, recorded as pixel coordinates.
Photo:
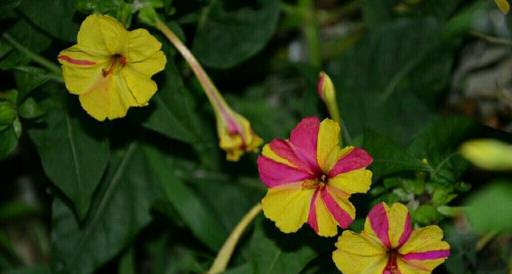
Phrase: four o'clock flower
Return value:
(235, 133)
(310, 178)
(389, 245)
(110, 68)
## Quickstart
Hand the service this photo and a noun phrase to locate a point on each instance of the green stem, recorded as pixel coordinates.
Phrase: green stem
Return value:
(53, 68)
(310, 30)
(221, 261)
(491, 39)
(209, 88)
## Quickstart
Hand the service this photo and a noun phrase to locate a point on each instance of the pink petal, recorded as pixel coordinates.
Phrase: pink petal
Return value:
(312, 220)
(379, 223)
(304, 139)
(407, 231)
(428, 255)
(276, 174)
(341, 216)
(357, 158)
(285, 150)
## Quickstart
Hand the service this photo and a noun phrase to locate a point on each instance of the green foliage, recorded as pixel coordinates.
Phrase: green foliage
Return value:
(245, 28)
(482, 217)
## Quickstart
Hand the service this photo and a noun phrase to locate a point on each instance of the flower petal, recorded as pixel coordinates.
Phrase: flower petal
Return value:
(287, 206)
(275, 174)
(141, 45)
(102, 35)
(304, 140)
(357, 254)
(110, 98)
(356, 158)
(400, 227)
(355, 181)
(151, 65)
(419, 266)
(340, 208)
(283, 152)
(424, 240)
(140, 85)
(320, 219)
(81, 71)
(328, 150)
(377, 224)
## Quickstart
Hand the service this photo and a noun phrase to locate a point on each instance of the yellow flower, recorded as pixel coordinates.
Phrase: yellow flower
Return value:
(110, 68)
(488, 154)
(235, 134)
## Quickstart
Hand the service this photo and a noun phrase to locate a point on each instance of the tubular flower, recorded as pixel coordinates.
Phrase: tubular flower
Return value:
(235, 134)
(110, 68)
(389, 245)
(310, 178)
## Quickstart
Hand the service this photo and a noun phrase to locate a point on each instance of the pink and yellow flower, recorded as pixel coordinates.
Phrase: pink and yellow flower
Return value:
(310, 178)
(389, 245)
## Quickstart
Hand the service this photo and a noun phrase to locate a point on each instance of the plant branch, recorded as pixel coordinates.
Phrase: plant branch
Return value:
(52, 67)
(224, 255)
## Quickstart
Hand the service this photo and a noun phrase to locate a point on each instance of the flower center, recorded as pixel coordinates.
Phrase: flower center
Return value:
(319, 182)
(392, 266)
(116, 59)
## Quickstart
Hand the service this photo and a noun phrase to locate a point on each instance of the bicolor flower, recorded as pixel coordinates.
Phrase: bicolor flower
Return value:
(310, 178)
(235, 133)
(110, 68)
(389, 245)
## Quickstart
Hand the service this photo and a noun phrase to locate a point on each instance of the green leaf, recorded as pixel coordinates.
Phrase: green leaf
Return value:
(196, 214)
(375, 83)
(53, 16)
(275, 253)
(30, 109)
(28, 36)
(29, 78)
(233, 31)
(127, 263)
(376, 12)
(120, 209)
(439, 142)
(74, 153)
(388, 157)
(491, 208)
(173, 113)
(42, 269)
(8, 142)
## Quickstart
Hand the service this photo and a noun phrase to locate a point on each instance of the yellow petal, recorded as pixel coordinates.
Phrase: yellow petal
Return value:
(355, 181)
(425, 239)
(110, 99)
(488, 154)
(503, 5)
(357, 254)
(80, 70)
(398, 223)
(102, 35)
(287, 206)
(141, 86)
(151, 65)
(141, 45)
(327, 226)
(418, 267)
(96, 101)
(328, 150)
